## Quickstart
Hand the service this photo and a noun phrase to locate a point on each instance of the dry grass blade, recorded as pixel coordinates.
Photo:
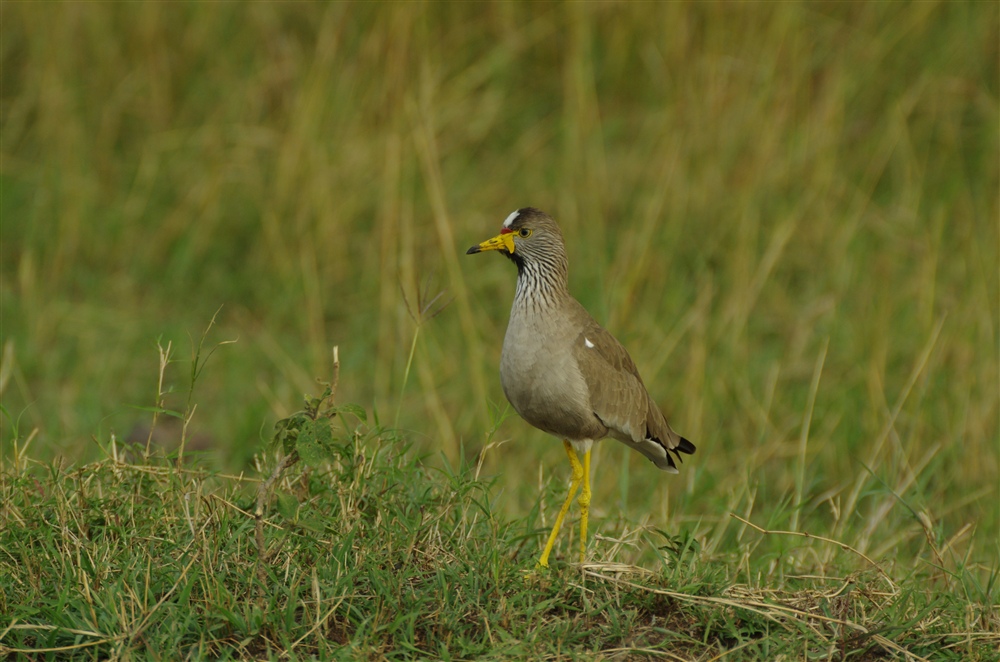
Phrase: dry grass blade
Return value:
(773, 612)
(804, 534)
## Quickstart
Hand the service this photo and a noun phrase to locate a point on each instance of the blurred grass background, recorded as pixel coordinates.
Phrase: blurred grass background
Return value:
(787, 212)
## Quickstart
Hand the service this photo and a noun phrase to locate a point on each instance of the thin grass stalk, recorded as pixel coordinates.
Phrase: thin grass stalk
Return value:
(800, 473)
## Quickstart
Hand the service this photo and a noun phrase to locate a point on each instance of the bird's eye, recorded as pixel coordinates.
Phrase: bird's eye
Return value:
(524, 232)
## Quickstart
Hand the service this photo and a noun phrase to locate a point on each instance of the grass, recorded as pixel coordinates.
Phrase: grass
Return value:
(788, 214)
(377, 554)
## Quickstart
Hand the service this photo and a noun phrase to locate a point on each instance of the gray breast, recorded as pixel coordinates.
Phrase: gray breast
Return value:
(542, 380)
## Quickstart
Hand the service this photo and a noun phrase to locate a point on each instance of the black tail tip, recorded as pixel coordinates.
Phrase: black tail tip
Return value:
(685, 446)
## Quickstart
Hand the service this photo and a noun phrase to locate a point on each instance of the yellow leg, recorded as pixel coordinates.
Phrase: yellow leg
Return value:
(578, 476)
(584, 502)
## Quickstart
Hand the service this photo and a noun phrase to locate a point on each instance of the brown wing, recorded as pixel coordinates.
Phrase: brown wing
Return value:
(620, 400)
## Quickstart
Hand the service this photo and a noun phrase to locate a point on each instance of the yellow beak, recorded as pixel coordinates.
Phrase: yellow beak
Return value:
(501, 242)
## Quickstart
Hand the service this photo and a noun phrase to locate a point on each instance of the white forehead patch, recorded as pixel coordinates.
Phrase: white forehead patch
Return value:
(586, 341)
(510, 219)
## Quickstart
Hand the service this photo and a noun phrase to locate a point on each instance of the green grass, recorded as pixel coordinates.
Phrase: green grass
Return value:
(787, 212)
(376, 554)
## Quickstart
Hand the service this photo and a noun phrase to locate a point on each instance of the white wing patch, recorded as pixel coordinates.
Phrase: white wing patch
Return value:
(586, 341)
(511, 217)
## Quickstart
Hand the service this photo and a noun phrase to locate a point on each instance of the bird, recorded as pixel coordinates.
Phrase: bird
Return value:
(564, 373)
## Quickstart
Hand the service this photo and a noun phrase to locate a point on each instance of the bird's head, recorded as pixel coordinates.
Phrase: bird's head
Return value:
(528, 237)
